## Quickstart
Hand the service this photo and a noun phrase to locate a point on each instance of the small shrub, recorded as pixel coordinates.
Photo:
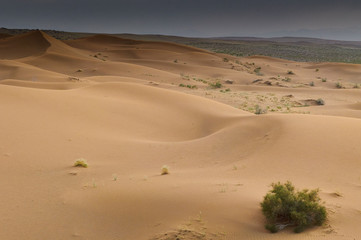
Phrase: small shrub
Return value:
(81, 162)
(339, 85)
(283, 206)
(324, 79)
(356, 86)
(182, 85)
(287, 79)
(164, 170)
(215, 84)
(175, 61)
(257, 71)
(290, 72)
(258, 110)
(312, 84)
(225, 60)
(320, 101)
(316, 70)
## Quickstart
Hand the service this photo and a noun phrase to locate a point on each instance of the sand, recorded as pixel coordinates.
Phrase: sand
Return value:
(117, 103)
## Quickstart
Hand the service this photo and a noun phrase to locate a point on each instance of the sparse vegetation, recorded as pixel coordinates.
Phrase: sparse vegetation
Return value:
(216, 84)
(286, 79)
(257, 71)
(339, 85)
(164, 170)
(184, 76)
(81, 162)
(225, 90)
(225, 60)
(320, 101)
(115, 177)
(312, 84)
(324, 79)
(188, 86)
(316, 70)
(283, 206)
(356, 85)
(290, 72)
(258, 110)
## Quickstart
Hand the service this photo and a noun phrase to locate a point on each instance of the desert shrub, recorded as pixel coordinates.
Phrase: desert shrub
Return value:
(257, 71)
(258, 110)
(356, 86)
(283, 206)
(165, 170)
(286, 79)
(324, 79)
(215, 84)
(316, 70)
(339, 85)
(290, 72)
(320, 101)
(312, 84)
(81, 162)
(225, 60)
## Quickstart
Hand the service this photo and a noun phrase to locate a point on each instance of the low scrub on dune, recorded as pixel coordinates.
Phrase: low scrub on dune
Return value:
(81, 162)
(283, 206)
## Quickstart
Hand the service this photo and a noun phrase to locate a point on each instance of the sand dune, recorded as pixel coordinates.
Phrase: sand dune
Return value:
(126, 113)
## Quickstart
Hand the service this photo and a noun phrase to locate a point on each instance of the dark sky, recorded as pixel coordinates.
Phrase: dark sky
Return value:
(333, 19)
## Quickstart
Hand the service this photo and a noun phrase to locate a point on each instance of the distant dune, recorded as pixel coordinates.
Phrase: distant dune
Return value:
(130, 107)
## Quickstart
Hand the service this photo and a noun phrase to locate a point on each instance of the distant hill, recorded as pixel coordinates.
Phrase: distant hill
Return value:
(291, 48)
(293, 40)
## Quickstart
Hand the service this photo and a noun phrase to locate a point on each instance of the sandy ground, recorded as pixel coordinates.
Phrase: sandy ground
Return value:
(130, 107)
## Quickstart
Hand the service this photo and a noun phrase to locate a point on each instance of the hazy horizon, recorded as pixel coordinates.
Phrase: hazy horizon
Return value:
(336, 20)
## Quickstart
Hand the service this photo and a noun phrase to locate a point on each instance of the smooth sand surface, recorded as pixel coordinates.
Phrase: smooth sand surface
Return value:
(117, 103)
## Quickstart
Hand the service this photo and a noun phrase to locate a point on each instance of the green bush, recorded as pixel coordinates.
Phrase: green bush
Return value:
(257, 71)
(258, 110)
(215, 84)
(81, 162)
(320, 101)
(283, 206)
(339, 85)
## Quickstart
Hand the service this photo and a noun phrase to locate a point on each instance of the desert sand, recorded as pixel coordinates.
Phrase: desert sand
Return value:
(118, 104)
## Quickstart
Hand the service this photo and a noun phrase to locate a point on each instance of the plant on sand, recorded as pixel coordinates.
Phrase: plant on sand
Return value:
(259, 110)
(320, 101)
(339, 85)
(257, 71)
(215, 84)
(283, 206)
(81, 162)
(164, 170)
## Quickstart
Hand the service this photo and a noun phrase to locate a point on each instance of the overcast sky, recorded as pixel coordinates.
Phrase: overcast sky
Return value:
(332, 19)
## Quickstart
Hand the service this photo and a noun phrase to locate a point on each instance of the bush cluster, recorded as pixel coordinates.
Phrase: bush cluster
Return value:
(283, 206)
